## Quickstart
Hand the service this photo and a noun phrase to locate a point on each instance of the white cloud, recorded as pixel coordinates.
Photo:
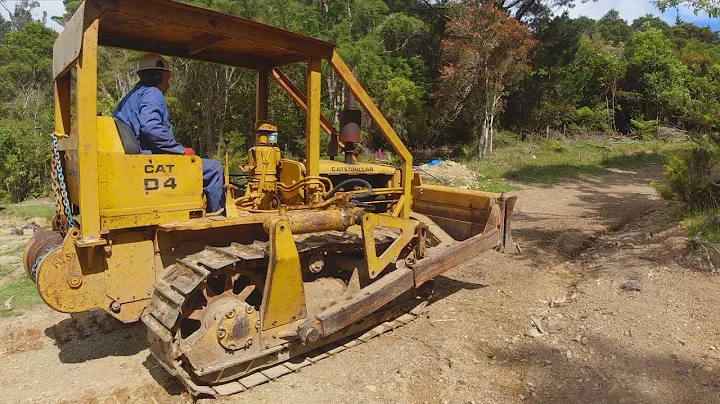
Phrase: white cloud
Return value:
(52, 7)
(629, 10)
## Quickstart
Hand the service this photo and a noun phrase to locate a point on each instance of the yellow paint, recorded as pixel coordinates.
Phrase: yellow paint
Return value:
(284, 296)
(66, 282)
(376, 265)
(130, 271)
(312, 127)
(144, 189)
(87, 155)
(332, 167)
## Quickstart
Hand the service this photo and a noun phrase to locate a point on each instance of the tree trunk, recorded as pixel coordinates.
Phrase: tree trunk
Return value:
(483, 144)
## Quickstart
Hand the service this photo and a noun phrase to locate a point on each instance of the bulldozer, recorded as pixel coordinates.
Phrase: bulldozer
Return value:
(309, 257)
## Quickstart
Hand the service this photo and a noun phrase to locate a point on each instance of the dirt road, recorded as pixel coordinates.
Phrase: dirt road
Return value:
(593, 342)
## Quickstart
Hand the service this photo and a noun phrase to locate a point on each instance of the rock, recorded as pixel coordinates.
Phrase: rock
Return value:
(569, 354)
(535, 333)
(631, 285)
(371, 388)
(578, 338)
(557, 301)
(537, 324)
(8, 303)
(708, 368)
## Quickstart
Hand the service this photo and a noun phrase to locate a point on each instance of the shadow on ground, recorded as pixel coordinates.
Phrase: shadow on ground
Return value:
(94, 335)
(617, 375)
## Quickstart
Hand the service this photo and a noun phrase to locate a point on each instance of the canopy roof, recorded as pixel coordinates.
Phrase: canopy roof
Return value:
(177, 29)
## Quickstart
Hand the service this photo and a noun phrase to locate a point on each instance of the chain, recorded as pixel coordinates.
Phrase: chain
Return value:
(62, 202)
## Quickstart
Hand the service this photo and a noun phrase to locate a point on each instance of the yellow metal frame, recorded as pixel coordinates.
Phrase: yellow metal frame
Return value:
(192, 33)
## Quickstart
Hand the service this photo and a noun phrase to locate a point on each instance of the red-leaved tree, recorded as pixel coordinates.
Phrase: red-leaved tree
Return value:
(484, 53)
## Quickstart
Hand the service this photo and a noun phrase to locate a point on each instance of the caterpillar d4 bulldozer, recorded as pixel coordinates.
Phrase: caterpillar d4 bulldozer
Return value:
(310, 257)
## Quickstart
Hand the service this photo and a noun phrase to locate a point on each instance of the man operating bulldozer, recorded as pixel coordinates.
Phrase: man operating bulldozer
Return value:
(144, 110)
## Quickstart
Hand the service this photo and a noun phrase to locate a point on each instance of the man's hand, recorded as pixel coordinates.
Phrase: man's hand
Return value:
(189, 151)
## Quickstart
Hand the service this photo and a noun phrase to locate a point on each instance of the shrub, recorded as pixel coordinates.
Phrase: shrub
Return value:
(24, 160)
(556, 146)
(690, 174)
(644, 129)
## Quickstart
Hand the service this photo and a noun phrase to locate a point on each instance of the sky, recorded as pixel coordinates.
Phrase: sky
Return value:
(632, 9)
(629, 10)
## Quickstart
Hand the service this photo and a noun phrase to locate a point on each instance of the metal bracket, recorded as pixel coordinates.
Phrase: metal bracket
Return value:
(284, 297)
(368, 221)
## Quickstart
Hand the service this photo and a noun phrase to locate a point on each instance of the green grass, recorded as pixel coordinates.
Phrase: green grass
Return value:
(705, 224)
(24, 295)
(547, 162)
(28, 210)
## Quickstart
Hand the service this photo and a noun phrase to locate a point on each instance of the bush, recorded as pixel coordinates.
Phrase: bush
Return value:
(646, 130)
(690, 174)
(24, 160)
(589, 119)
(556, 146)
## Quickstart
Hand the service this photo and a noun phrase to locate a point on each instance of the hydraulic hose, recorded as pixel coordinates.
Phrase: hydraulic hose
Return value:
(351, 181)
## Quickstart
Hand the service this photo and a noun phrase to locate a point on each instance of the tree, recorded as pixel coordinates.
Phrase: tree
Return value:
(711, 7)
(522, 10)
(613, 28)
(650, 21)
(485, 53)
(656, 75)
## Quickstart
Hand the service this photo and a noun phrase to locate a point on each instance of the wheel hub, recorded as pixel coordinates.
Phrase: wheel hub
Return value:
(236, 322)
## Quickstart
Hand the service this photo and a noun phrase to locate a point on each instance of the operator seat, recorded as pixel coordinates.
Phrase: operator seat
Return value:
(127, 137)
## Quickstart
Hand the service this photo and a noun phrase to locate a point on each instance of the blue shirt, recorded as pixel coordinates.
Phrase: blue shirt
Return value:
(144, 110)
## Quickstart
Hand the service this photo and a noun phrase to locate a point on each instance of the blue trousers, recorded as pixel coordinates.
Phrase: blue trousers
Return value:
(213, 184)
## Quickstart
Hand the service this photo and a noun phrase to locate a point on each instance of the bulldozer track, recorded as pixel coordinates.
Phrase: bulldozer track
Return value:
(166, 310)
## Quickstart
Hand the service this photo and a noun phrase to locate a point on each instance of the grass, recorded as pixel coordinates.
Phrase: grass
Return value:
(15, 288)
(28, 210)
(703, 223)
(546, 162)
(23, 294)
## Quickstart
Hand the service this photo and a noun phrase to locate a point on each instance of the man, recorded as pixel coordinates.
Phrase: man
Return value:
(143, 109)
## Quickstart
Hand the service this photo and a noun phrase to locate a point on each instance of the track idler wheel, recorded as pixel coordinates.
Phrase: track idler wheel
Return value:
(43, 242)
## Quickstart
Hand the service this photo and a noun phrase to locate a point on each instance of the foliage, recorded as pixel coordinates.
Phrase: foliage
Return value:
(644, 129)
(692, 174)
(484, 52)
(711, 7)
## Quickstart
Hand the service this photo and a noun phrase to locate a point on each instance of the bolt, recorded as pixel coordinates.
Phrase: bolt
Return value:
(274, 323)
(221, 333)
(257, 324)
(248, 343)
(230, 314)
(75, 281)
(249, 309)
(311, 335)
(115, 307)
(231, 345)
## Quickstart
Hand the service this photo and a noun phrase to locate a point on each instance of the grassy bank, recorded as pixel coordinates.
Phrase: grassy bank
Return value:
(520, 164)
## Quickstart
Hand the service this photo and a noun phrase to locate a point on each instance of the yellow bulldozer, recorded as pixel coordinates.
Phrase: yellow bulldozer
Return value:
(310, 257)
